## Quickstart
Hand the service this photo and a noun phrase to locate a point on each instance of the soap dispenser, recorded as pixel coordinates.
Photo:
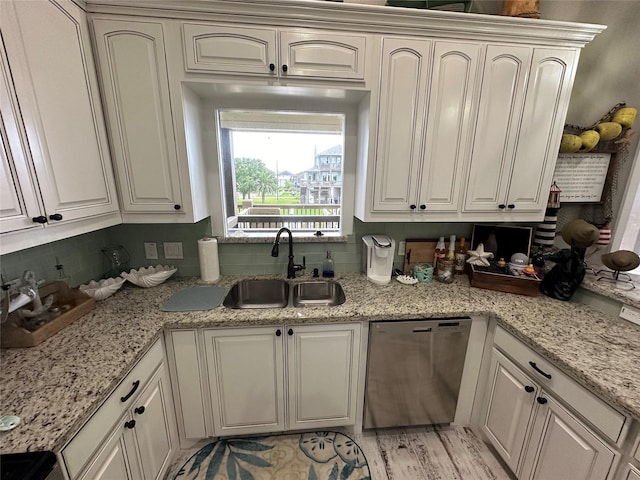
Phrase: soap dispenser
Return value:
(327, 266)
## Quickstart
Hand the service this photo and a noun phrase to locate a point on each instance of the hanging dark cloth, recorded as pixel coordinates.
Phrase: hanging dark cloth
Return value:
(566, 275)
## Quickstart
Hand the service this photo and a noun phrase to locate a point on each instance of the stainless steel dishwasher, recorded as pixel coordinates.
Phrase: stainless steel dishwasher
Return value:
(414, 371)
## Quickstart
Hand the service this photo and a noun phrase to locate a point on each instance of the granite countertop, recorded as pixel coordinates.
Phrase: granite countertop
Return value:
(624, 292)
(55, 386)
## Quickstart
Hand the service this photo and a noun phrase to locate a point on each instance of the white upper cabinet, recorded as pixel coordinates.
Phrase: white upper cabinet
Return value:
(54, 124)
(525, 95)
(425, 116)
(275, 53)
(135, 85)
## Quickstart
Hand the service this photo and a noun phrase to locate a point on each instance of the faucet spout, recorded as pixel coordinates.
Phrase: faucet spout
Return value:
(292, 268)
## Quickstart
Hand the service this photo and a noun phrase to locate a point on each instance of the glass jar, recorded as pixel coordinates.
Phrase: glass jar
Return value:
(446, 271)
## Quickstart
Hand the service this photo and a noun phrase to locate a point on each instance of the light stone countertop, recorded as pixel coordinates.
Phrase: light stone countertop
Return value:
(55, 386)
(619, 291)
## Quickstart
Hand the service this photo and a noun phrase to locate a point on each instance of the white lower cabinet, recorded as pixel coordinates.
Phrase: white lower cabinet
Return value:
(633, 473)
(264, 379)
(132, 436)
(532, 430)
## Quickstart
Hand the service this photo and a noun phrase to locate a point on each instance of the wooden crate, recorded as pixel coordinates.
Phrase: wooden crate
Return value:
(12, 334)
(517, 284)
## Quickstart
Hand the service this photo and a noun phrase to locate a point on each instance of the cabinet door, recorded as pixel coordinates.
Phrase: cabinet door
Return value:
(136, 92)
(221, 49)
(155, 430)
(18, 193)
(246, 377)
(449, 121)
(403, 87)
(545, 108)
(322, 54)
(501, 100)
(633, 473)
(50, 56)
(562, 447)
(112, 463)
(507, 409)
(322, 363)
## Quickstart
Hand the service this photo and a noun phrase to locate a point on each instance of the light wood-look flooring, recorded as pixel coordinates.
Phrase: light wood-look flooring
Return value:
(417, 453)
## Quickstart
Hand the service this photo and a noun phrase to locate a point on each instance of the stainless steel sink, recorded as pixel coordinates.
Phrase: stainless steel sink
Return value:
(318, 293)
(274, 293)
(260, 293)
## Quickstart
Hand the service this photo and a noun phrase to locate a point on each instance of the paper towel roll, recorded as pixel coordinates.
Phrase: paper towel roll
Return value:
(209, 265)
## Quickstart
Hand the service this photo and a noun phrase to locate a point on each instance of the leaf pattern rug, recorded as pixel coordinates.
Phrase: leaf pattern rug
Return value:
(306, 456)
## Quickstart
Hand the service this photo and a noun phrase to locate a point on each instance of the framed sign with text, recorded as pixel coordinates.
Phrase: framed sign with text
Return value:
(581, 176)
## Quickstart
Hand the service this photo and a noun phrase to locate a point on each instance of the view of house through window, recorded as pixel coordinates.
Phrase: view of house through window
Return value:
(281, 169)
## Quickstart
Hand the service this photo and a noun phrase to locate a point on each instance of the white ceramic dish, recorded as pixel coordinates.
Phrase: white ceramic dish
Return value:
(407, 279)
(103, 288)
(147, 277)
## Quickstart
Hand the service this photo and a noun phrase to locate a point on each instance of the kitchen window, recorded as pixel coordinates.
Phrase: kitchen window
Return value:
(281, 169)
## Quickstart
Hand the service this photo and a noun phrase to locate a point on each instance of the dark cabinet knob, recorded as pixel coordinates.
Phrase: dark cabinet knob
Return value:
(528, 388)
(278, 332)
(139, 410)
(290, 332)
(285, 68)
(511, 206)
(177, 207)
(412, 207)
(423, 207)
(541, 400)
(272, 67)
(130, 424)
(55, 216)
(40, 219)
(502, 206)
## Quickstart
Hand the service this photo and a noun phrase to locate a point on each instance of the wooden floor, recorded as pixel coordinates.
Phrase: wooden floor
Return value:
(417, 453)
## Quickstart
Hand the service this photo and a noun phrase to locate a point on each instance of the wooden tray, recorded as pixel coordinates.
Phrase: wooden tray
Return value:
(519, 285)
(14, 335)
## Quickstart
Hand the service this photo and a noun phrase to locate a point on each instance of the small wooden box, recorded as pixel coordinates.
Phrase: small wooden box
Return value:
(510, 240)
(14, 335)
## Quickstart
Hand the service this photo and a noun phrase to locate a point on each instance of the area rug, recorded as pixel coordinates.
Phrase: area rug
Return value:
(306, 456)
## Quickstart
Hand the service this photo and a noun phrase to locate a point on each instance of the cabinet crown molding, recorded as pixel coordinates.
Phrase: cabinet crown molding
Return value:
(361, 17)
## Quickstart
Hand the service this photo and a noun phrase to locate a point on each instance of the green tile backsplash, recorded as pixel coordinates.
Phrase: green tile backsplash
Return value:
(83, 260)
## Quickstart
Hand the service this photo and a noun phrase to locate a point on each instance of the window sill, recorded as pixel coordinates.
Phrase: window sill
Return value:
(269, 238)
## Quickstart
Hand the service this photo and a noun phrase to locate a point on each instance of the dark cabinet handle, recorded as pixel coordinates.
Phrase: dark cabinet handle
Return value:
(130, 424)
(290, 332)
(136, 384)
(177, 207)
(278, 332)
(272, 67)
(285, 68)
(502, 206)
(423, 207)
(541, 400)
(537, 369)
(55, 216)
(511, 206)
(528, 388)
(139, 410)
(40, 219)
(412, 207)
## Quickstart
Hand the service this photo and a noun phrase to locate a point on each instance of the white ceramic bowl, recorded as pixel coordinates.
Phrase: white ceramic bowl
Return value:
(103, 288)
(147, 277)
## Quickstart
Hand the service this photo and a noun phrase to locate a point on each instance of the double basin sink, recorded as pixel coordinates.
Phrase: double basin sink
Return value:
(276, 293)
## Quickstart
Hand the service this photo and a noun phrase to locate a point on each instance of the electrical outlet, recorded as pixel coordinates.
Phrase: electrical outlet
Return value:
(173, 250)
(151, 250)
(401, 248)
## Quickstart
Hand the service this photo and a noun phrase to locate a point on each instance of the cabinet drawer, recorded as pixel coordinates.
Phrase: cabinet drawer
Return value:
(601, 415)
(79, 450)
(216, 48)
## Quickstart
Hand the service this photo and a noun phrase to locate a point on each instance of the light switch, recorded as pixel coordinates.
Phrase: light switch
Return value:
(151, 250)
(173, 250)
